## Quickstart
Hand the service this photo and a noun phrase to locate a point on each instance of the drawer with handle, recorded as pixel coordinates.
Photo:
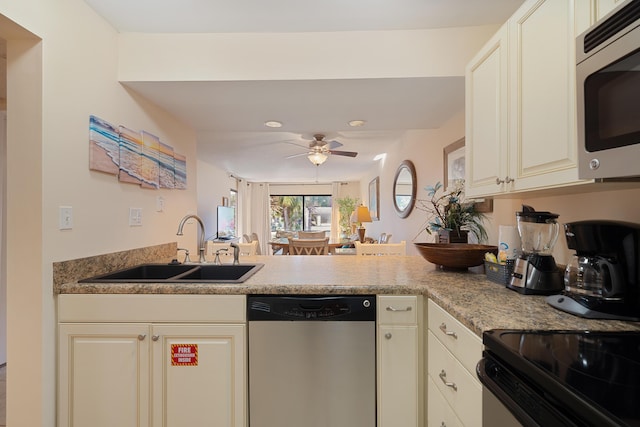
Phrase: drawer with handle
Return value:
(398, 309)
(458, 339)
(461, 390)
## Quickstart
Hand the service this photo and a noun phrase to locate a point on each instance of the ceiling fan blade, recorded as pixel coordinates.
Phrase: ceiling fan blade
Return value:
(297, 155)
(306, 147)
(333, 144)
(343, 153)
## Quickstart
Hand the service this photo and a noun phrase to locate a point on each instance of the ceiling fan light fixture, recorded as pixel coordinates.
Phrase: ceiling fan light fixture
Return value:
(317, 158)
(357, 123)
(273, 124)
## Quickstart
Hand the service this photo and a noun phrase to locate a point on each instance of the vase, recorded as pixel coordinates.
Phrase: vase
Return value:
(452, 236)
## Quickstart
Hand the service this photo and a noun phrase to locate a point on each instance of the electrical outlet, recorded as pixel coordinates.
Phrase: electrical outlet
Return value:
(65, 218)
(135, 217)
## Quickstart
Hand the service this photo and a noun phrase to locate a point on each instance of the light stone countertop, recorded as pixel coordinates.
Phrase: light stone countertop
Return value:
(475, 301)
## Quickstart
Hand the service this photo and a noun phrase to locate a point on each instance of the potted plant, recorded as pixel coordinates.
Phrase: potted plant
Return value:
(450, 217)
(346, 205)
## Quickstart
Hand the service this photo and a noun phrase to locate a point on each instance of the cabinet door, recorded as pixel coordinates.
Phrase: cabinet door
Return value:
(398, 395)
(542, 90)
(199, 375)
(486, 145)
(103, 375)
(605, 6)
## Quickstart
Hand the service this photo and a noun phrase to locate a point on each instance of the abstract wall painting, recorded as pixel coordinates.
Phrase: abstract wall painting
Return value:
(167, 166)
(181, 171)
(130, 156)
(136, 157)
(104, 146)
(150, 168)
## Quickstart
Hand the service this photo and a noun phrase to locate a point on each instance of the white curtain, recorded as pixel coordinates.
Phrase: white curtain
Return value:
(335, 212)
(259, 214)
(244, 208)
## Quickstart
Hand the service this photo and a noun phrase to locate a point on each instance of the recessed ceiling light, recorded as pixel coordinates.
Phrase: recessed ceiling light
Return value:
(357, 123)
(273, 124)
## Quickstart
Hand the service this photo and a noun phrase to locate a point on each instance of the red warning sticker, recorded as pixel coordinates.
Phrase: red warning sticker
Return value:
(184, 354)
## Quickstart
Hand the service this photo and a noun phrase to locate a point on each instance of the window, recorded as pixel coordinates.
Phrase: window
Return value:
(295, 213)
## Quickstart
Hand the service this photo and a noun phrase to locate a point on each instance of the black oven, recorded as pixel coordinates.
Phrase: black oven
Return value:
(608, 95)
(564, 378)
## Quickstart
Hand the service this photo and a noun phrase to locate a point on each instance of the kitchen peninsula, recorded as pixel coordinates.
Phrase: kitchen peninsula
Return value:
(111, 323)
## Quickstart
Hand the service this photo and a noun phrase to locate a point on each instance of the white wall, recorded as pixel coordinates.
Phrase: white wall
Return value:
(62, 61)
(424, 149)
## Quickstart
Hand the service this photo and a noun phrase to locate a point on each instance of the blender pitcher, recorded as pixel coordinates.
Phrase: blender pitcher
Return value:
(535, 271)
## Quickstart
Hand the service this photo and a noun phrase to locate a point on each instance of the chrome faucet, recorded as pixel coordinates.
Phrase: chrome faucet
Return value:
(201, 243)
(236, 253)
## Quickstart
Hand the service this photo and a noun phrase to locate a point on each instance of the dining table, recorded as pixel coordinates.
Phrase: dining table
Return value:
(279, 244)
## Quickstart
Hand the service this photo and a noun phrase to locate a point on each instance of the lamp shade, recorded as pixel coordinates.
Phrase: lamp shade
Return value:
(317, 158)
(362, 214)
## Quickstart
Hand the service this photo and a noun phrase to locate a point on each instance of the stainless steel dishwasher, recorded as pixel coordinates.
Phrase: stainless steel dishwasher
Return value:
(312, 361)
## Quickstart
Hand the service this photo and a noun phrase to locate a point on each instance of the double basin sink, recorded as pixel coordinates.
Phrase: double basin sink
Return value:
(179, 273)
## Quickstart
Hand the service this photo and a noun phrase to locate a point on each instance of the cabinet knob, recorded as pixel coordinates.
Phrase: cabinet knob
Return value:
(443, 377)
(390, 308)
(155, 337)
(388, 335)
(141, 337)
(442, 424)
(443, 328)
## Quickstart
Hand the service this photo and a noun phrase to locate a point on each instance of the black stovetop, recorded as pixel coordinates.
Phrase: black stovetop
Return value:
(579, 371)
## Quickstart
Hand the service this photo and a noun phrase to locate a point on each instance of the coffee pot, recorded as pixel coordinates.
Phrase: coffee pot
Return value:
(602, 280)
(594, 276)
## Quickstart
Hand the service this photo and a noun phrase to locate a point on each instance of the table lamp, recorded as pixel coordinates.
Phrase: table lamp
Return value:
(360, 215)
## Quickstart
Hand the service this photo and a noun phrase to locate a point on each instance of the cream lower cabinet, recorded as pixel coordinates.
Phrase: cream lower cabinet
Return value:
(399, 361)
(454, 391)
(126, 372)
(521, 102)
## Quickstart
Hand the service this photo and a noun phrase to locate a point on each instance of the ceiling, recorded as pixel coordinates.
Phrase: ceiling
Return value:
(229, 116)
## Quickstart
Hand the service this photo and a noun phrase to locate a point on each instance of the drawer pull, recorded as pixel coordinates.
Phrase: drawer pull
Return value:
(443, 424)
(443, 328)
(443, 377)
(388, 335)
(389, 308)
(141, 337)
(155, 337)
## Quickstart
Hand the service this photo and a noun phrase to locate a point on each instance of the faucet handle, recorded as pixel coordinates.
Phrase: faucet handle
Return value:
(186, 255)
(216, 260)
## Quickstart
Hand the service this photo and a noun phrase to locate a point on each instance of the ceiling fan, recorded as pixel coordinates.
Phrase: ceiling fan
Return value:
(319, 150)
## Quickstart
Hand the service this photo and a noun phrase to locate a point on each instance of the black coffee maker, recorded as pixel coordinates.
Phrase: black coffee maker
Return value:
(602, 281)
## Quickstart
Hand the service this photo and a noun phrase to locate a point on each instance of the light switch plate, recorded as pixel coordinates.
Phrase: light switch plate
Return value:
(65, 218)
(135, 217)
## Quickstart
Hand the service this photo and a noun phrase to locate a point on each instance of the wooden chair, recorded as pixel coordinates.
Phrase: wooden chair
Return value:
(381, 249)
(254, 238)
(309, 246)
(311, 234)
(384, 238)
(247, 238)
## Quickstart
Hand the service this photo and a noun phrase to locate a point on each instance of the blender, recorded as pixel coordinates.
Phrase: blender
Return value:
(535, 271)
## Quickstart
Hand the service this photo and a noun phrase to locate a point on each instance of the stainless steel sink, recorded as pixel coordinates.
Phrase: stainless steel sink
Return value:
(179, 273)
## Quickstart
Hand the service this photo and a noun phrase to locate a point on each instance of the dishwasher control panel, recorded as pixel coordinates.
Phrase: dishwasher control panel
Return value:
(311, 307)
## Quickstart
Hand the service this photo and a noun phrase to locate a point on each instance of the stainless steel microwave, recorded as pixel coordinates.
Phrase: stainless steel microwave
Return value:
(608, 91)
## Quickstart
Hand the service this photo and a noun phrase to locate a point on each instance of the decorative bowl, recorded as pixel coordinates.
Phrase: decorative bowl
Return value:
(455, 255)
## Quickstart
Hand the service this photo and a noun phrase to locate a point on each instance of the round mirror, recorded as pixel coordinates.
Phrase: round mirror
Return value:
(404, 188)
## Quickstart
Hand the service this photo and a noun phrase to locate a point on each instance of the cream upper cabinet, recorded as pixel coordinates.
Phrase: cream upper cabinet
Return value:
(486, 144)
(605, 6)
(537, 147)
(399, 361)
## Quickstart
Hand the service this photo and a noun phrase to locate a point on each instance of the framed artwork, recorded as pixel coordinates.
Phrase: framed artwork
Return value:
(453, 163)
(454, 172)
(374, 198)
